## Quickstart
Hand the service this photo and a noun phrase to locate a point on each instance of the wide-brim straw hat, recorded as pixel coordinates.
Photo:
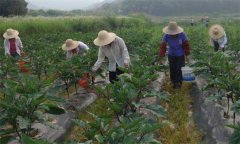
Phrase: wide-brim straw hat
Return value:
(216, 31)
(10, 33)
(70, 45)
(104, 38)
(172, 29)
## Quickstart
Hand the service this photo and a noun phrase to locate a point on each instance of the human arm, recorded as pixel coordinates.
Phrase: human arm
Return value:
(223, 41)
(20, 45)
(163, 49)
(83, 46)
(68, 55)
(125, 53)
(163, 46)
(211, 42)
(186, 47)
(162, 52)
(6, 47)
(101, 57)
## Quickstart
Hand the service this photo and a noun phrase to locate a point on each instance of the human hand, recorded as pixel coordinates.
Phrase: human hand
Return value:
(94, 69)
(160, 62)
(221, 48)
(22, 53)
(186, 59)
(126, 65)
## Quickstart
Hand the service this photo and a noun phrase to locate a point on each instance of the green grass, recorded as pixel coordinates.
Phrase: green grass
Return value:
(179, 127)
(1, 95)
(100, 107)
(32, 25)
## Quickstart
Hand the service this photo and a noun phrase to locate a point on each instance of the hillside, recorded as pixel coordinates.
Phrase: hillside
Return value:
(171, 7)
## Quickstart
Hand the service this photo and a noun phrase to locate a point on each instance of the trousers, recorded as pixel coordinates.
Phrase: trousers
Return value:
(175, 65)
(113, 75)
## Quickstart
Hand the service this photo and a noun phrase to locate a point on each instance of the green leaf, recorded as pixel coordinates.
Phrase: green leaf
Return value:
(235, 137)
(214, 97)
(80, 123)
(149, 139)
(116, 107)
(148, 128)
(3, 120)
(156, 110)
(236, 107)
(28, 140)
(233, 127)
(38, 101)
(87, 142)
(54, 109)
(129, 139)
(99, 138)
(160, 95)
(6, 139)
(56, 99)
(23, 122)
(4, 132)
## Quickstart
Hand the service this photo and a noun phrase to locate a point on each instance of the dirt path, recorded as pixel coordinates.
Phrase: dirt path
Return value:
(180, 127)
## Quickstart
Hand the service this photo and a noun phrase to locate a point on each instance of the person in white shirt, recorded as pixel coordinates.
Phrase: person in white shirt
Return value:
(73, 48)
(113, 47)
(218, 37)
(12, 43)
(192, 21)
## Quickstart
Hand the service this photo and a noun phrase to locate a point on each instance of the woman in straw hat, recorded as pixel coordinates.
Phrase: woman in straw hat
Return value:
(12, 43)
(74, 48)
(178, 50)
(114, 48)
(218, 37)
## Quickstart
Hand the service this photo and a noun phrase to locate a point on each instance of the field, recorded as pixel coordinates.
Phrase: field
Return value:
(114, 117)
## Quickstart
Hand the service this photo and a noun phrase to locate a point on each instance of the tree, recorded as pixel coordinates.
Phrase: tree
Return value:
(13, 7)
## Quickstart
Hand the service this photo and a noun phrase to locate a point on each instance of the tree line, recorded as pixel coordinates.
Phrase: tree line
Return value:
(13, 7)
(126, 7)
(173, 7)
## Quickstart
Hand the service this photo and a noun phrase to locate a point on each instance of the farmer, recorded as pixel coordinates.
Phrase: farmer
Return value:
(178, 50)
(192, 21)
(206, 21)
(12, 43)
(218, 37)
(114, 48)
(73, 48)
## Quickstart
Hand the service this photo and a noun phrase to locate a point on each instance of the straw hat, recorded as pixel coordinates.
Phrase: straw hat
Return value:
(172, 29)
(10, 33)
(70, 45)
(216, 31)
(104, 38)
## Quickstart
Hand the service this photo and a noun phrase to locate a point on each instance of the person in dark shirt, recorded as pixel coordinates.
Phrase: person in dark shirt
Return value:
(178, 50)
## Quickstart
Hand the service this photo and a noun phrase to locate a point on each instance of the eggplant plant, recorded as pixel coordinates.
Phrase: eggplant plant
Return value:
(223, 77)
(135, 129)
(127, 124)
(65, 73)
(26, 101)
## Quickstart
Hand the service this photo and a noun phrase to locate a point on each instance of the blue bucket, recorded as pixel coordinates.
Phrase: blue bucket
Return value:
(187, 74)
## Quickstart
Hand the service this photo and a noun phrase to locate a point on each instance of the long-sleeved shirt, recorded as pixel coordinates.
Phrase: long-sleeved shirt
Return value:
(13, 49)
(117, 53)
(18, 43)
(81, 49)
(178, 46)
(222, 41)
